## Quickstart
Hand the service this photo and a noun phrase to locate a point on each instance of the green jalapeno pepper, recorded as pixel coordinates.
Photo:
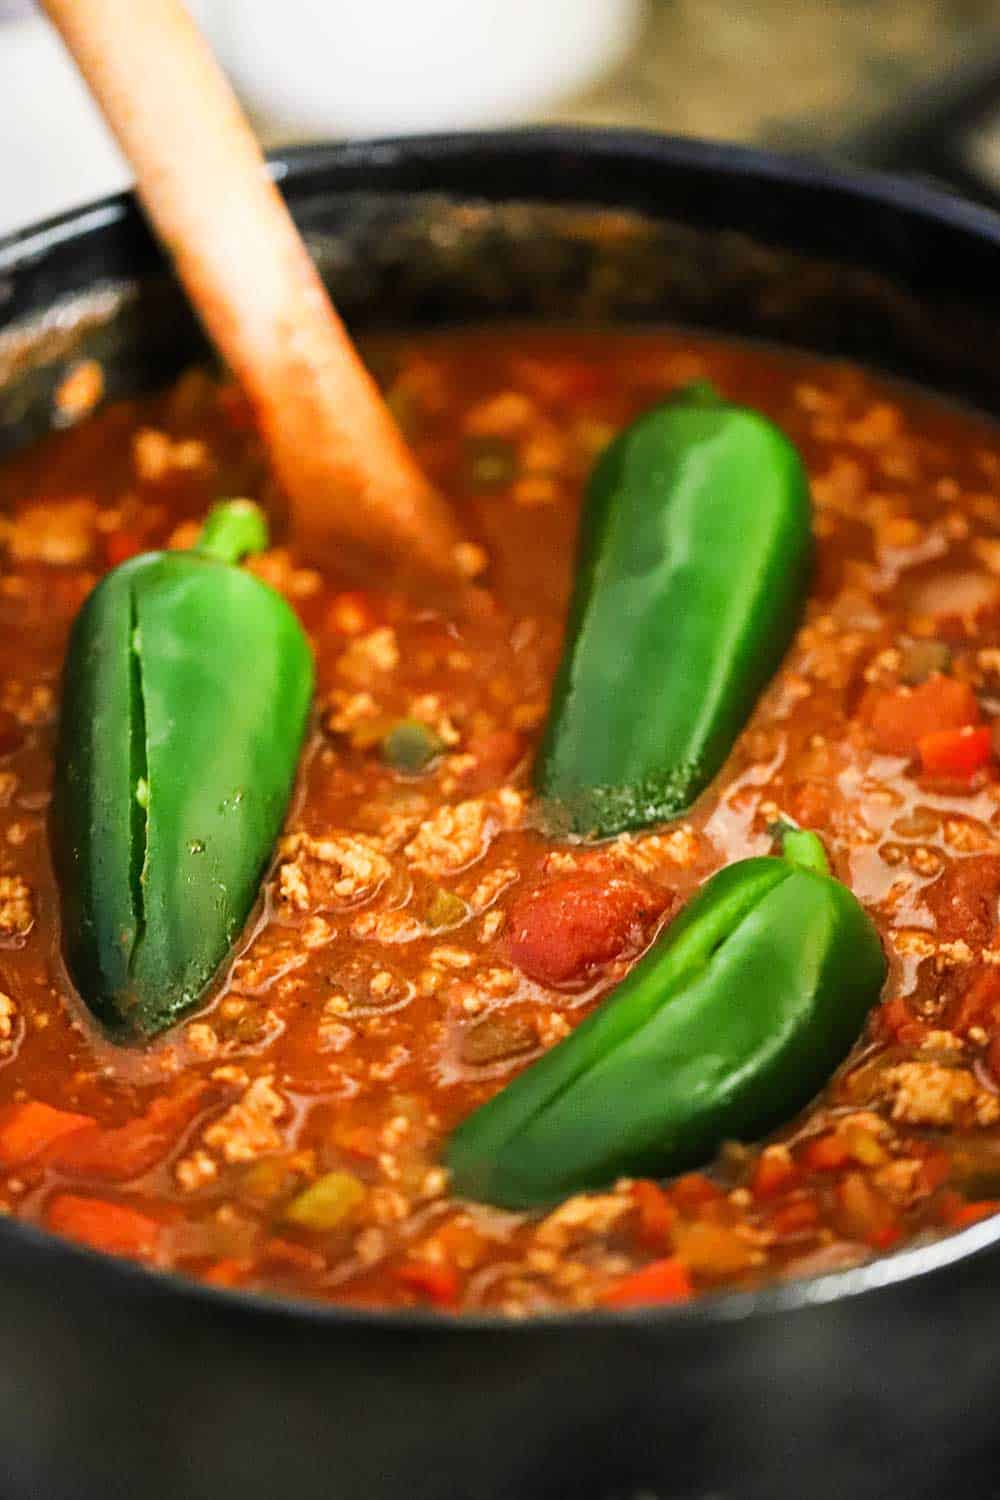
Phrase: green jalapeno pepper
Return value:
(729, 1025)
(186, 692)
(692, 572)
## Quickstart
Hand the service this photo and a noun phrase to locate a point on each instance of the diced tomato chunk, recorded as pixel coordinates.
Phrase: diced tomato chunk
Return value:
(559, 933)
(662, 1281)
(655, 1214)
(29, 1129)
(694, 1191)
(955, 752)
(132, 1148)
(899, 719)
(119, 546)
(111, 1227)
(438, 1283)
(773, 1173)
(885, 1236)
(825, 1153)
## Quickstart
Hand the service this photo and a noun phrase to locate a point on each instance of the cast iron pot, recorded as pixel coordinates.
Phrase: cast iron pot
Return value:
(875, 1382)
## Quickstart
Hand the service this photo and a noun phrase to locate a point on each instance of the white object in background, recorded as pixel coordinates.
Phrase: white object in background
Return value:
(55, 151)
(382, 67)
(307, 68)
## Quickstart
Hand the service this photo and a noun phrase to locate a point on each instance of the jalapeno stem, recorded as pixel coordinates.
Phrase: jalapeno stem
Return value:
(697, 393)
(233, 530)
(804, 850)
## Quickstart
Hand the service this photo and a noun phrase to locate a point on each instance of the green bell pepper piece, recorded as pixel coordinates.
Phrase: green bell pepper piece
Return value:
(692, 571)
(411, 746)
(186, 692)
(728, 1026)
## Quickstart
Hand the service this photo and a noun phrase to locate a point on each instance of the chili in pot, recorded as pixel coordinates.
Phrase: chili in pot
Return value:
(431, 936)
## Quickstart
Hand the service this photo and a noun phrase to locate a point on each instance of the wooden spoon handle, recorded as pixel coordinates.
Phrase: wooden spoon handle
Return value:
(334, 446)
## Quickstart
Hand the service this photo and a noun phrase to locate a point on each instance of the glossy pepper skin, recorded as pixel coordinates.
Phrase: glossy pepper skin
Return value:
(692, 571)
(186, 692)
(730, 1024)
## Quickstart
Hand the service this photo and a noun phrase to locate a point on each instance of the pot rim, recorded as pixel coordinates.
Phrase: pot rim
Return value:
(921, 197)
(379, 157)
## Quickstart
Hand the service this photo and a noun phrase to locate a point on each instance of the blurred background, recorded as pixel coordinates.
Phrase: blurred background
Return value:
(861, 77)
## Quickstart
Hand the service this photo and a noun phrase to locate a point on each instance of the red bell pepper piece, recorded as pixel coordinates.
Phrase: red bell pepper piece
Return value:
(655, 1214)
(901, 718)
(133, 1148)
(29, 1129)
(112, 1227)
(959, 1215)
(661, 1281)
(955, 752)
(438, 1283)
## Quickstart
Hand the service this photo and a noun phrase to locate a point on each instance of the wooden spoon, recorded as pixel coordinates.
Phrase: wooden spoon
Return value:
(337, 453)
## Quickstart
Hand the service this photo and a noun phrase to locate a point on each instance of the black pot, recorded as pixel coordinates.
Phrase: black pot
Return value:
(877, 1382)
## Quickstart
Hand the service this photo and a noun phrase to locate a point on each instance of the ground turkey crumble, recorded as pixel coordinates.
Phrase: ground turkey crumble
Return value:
(317, 874)
(248, 1129)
